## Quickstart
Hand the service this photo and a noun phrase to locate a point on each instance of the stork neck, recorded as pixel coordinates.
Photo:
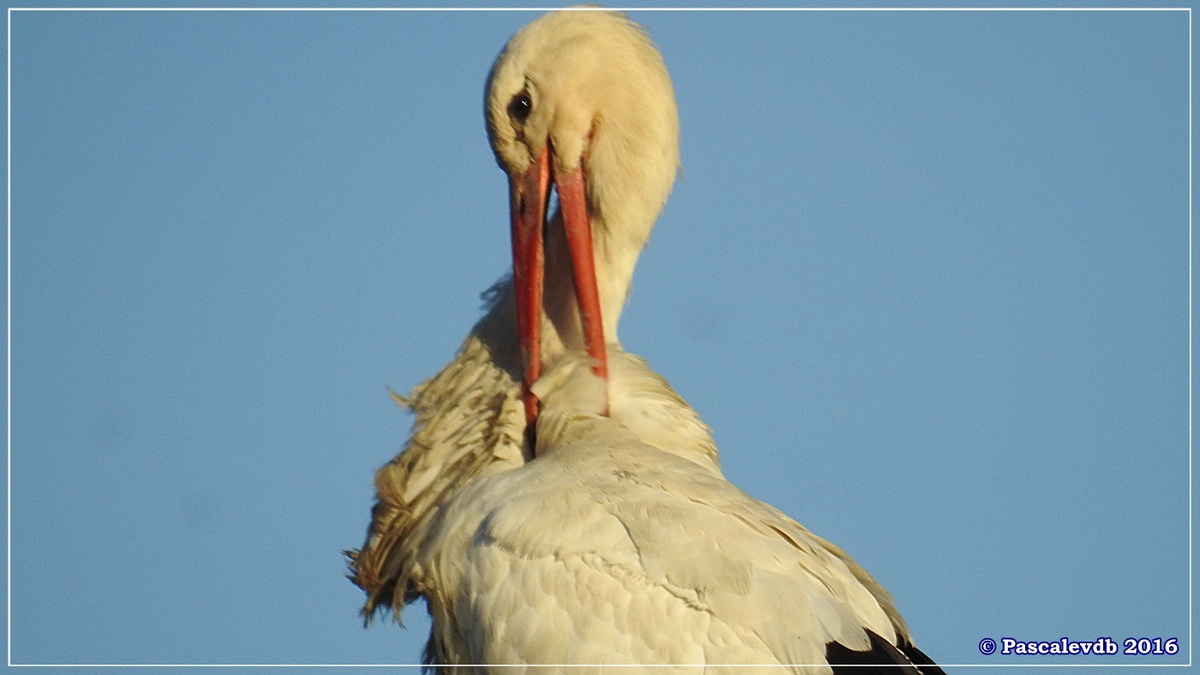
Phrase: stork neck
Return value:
(616, 259)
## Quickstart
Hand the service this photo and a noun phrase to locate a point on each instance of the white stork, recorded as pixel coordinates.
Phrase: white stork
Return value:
(609, 536)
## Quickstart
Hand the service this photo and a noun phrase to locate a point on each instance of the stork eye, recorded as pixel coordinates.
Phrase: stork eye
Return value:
(520, 106)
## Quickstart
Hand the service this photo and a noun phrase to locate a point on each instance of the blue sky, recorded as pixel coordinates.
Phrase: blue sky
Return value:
(926, 274)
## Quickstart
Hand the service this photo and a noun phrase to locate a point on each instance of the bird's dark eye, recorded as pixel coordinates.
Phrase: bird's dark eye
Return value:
(520, 106)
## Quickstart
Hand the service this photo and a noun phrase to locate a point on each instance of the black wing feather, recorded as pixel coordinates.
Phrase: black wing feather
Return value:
(883, 658)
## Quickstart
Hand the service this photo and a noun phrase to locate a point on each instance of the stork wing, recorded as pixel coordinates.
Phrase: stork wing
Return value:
(887, 658)
(606, 550)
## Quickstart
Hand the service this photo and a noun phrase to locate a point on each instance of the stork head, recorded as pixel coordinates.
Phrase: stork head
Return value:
(581, 100)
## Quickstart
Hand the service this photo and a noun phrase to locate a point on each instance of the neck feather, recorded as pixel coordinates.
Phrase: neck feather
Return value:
(616, 257)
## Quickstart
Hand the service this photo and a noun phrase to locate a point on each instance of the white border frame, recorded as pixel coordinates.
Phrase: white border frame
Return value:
(8, 305)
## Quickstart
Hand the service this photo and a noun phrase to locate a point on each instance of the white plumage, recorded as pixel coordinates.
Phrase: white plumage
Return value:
(609, 536)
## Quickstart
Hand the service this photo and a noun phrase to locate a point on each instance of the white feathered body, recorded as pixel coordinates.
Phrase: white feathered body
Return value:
(622, 543)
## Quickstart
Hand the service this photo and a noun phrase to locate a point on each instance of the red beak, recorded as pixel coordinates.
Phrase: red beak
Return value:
(528, 194)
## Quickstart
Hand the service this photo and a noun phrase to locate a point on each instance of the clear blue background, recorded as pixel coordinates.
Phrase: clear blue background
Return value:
(925, 274)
